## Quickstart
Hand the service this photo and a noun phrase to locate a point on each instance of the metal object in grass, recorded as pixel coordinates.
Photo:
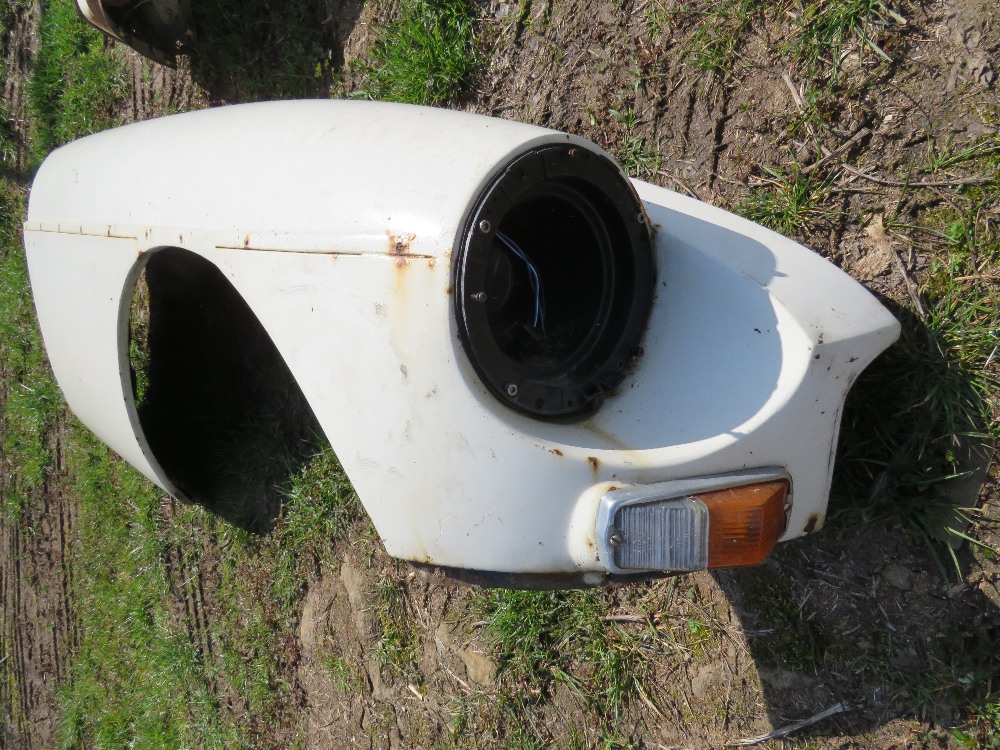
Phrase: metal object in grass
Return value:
(526, 385)
(159, 30)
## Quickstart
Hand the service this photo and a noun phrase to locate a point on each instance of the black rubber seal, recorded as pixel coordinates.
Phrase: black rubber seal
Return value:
(554, 281)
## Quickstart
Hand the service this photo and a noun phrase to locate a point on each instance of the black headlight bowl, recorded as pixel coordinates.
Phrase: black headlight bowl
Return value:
(554, 281)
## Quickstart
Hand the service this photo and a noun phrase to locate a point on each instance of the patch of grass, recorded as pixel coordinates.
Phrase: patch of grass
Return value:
(983, 730)
(542, 638)
(344, 675)
(396, 645)
(8, 143)
(823, 30)
(77, 87)
(636, 157)
(138, 679)
(257, 50)
(31, 401)
(926, 412)
(795, 639)
(721, 31)
(135, 680)
(264, 578)
(787, 201)
(423, 56)
(923, 408)
(827, 27)
(922, 416)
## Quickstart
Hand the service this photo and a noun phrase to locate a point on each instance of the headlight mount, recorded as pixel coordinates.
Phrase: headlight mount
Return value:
(554, 281)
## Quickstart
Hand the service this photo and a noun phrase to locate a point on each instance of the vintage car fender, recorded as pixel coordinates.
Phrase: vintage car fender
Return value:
(349, 228)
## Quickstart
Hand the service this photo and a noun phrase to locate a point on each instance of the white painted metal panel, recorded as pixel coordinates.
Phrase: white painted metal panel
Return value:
(336, 222)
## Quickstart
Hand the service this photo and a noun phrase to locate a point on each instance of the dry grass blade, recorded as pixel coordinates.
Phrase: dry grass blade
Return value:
(958, 182)
(790, 728)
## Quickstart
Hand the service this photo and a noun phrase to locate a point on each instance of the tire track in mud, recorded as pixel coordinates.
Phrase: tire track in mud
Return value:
(184, 569)
(37, 627)
(155, 90)
(36, 611)
(20, 47)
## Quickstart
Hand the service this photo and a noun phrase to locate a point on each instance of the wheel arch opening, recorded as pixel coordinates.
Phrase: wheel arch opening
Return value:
(212, 399)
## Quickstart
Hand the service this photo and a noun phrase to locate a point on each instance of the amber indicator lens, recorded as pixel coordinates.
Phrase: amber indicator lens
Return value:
(744, 522)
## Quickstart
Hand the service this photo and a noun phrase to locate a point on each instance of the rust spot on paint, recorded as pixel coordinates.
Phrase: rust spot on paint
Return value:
(595, 462)
(246, 240)
(556, 451)
(812, 524)
(399, 244)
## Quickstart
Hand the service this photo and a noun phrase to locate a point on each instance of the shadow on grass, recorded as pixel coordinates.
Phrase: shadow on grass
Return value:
(257, 50)
(217, 404)
(878, 612)
(860, 620)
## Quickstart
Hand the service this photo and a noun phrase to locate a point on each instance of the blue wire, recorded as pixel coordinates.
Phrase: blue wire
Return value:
(536, 282)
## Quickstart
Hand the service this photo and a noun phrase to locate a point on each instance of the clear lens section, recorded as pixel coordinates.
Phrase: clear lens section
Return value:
(668, 535)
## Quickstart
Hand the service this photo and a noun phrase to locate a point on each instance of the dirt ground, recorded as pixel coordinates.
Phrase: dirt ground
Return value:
(866, 591)
(37, 628)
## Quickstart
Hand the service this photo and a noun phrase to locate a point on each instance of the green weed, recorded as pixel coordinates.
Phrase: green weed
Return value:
(423, 56)
(787, 200)
(983, 730)
(721, 31)
(827, 28)
(940, 159)
(77, 87)
(636, 157)
(657, 21)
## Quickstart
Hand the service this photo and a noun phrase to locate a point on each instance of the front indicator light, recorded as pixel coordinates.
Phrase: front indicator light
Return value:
(687, 525)
(744, 523)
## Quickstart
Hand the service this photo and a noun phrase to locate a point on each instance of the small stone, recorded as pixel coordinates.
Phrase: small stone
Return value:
(898, 577)
(481, 669)
(957, 590)
(906, 659)
(704, 679)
